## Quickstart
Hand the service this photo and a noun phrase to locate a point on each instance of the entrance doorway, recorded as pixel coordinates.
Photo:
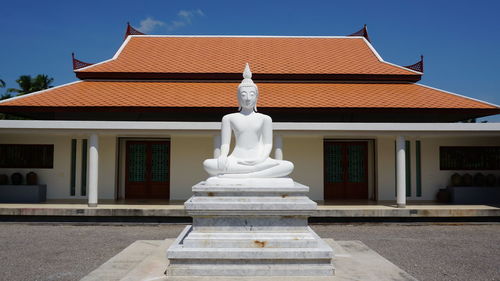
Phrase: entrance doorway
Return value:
(345, 169)
(147, 169)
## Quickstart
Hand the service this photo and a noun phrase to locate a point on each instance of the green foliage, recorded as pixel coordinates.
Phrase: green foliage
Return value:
(28, 84)
(5, 96)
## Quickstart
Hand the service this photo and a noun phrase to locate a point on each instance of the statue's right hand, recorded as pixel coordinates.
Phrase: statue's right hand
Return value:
(222, 163)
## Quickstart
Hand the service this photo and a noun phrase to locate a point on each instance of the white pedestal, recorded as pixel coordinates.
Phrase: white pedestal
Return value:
(254, 228)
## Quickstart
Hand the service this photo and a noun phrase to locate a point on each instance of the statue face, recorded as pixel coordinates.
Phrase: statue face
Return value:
(247, 97)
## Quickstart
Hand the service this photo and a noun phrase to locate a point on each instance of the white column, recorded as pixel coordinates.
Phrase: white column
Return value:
(400, 171)
(217, 142)
(278, 147)
(93, 169)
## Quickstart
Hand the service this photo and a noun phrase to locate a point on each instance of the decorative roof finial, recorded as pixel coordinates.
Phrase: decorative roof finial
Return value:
(419, 66)
(131, 31)
(77, 64)
(362, 32)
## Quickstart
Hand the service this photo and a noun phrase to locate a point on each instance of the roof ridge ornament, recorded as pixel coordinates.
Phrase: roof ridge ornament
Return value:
(131, 31)
(77, 64)
(362, 32)
(418, 66)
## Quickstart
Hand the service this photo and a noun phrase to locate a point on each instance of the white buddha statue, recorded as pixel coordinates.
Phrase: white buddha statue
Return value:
(254, 140)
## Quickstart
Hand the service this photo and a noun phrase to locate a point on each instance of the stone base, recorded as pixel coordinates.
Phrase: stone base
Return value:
(249, 227)
(145, 260)
(249, 253)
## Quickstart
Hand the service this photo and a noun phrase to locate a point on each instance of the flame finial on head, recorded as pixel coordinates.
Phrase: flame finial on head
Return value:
(247, 74)
(247, 77)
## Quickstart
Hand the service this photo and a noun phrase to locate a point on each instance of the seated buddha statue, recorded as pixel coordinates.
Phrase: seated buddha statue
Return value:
(254, 140)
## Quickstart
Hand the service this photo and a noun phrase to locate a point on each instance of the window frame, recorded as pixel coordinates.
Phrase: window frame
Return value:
(27, 156)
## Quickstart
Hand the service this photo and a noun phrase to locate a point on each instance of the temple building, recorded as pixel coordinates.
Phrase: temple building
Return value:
(140, 124)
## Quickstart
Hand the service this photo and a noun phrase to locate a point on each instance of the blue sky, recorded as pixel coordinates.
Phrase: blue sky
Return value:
(459, 39)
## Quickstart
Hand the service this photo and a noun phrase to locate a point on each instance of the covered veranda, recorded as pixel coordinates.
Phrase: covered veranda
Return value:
(388, 192)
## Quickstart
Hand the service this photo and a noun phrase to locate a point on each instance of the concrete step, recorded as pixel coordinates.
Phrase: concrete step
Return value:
(243, 269)
(250, 240)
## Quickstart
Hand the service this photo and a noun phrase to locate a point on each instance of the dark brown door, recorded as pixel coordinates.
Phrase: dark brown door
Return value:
(346, 170)
(147, 173)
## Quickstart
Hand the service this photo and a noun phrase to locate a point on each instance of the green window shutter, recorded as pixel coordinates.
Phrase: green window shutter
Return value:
(84, 168)
(137, 163)
(334, 163)
(159, 165)
(356, 165)
(408, 168)
(418, 163)
(73, 168)
(395, 169)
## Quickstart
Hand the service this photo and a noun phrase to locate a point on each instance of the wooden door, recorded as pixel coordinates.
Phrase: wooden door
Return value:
(345, 170)
(147, 168)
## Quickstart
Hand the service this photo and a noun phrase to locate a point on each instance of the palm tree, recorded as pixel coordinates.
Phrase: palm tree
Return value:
(4, 96)
(28, 84)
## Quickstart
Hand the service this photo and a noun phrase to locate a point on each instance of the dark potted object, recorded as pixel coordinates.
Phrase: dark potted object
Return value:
(467, 180)
(443, 195)
(4, 179)
(16, 178)
(456, 180)
(479, 179)
(31, 178)
(490, 180)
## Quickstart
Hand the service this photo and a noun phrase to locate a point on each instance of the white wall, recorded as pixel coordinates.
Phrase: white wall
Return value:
(58, 178)
(432, 177)
(306, 153)
(187, 154)
(107, 167)
(385, 168)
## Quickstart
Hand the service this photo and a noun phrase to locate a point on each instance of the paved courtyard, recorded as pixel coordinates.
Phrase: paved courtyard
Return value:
(426, 251)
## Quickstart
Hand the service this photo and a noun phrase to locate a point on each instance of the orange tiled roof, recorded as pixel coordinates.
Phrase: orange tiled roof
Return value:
(283, 95)
(266, 55)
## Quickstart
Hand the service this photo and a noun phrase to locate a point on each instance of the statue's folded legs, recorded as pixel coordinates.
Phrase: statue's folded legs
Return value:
(270, 168)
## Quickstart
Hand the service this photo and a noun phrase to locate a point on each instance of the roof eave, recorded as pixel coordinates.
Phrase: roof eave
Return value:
(256, 76)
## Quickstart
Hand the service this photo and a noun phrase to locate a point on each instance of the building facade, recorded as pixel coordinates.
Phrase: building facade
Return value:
(140, 124)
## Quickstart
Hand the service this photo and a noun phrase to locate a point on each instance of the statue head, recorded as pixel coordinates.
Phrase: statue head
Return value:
(248, 92)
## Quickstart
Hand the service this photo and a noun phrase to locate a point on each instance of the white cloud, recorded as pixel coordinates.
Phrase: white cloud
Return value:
(184, 17)
(188, 15)
(149, 24)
